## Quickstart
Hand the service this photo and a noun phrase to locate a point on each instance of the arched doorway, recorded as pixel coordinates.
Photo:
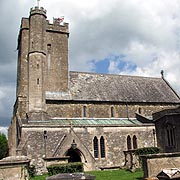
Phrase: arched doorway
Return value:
(74, 155)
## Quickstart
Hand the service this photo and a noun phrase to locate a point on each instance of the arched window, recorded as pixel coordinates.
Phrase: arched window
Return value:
(129, 143)
(134, 142)
(102, 147)
(95, 144)
(170, 135)
(139, 110)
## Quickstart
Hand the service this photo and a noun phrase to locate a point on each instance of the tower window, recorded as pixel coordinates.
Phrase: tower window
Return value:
(45, 134)
(38, 81)
(102, 147)
(49, 48)
(37, 66)
(139, 110)
(95, 144)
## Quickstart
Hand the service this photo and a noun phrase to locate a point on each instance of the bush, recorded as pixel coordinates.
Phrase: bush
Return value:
(3, 146)
(146, 150)
(65, 168)
(31, 170)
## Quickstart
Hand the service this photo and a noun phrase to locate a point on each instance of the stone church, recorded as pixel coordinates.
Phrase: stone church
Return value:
(84, 117)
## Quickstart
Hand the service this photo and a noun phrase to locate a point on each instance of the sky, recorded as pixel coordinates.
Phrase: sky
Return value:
(133, 37)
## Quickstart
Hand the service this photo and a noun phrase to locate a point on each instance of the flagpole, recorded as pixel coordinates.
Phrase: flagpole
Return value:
(38, 3)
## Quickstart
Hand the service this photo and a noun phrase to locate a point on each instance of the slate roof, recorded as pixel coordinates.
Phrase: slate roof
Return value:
(120, 88)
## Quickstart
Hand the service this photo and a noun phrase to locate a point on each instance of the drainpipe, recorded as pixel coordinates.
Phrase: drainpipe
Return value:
(45, 138)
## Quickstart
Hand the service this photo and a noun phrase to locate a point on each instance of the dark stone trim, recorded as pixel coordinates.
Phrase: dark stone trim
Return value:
(54, 101)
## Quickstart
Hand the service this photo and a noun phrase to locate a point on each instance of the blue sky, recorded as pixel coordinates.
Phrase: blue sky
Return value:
(101, 66)
(106, 66)
(134, 37)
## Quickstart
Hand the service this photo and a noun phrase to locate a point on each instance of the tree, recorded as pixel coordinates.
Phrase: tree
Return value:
(3, 146)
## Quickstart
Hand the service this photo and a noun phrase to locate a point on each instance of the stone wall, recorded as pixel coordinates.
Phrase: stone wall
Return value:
(55, 160)
(101, 109)
(154, 164)
(59, 139)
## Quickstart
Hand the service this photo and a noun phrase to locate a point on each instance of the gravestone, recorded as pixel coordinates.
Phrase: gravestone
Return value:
(72, 176)
(169, 173)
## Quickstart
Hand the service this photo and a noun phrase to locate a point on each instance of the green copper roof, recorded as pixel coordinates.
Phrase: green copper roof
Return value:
(89, 121)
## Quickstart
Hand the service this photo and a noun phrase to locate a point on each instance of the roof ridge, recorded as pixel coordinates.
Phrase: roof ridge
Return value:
(123, 75)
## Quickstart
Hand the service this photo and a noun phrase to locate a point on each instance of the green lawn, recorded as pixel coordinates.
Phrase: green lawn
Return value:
(108, 175)
(117, 174)
(39, 177)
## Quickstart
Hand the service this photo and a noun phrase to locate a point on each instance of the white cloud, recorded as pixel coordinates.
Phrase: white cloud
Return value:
(145, 32)
(4, 130)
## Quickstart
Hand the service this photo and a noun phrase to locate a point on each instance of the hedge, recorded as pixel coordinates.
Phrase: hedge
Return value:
(65, 168)
(31, 171)
(147, 150)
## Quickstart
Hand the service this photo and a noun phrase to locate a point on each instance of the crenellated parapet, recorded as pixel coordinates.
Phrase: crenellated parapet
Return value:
(37, 10)
(58, 28)
(55, 27)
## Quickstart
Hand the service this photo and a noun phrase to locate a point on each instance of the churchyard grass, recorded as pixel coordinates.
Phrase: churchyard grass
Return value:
(118, 175)
(108, 175)
(43, 177)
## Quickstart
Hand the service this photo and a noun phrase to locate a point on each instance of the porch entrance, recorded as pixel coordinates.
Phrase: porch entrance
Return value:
(74, 155)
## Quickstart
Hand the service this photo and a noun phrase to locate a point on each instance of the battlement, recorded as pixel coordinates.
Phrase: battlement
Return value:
(24, 23)
(58, 28)
(64, 28)
(38, 10)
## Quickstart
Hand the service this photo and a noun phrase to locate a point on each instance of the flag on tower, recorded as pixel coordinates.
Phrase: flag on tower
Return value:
(58, 20)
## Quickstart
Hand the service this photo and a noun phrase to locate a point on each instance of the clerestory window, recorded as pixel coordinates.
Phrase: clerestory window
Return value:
(84, 111)
(112, 111)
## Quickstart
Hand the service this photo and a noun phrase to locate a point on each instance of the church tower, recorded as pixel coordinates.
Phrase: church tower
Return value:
(42, 62)
(36, 59)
